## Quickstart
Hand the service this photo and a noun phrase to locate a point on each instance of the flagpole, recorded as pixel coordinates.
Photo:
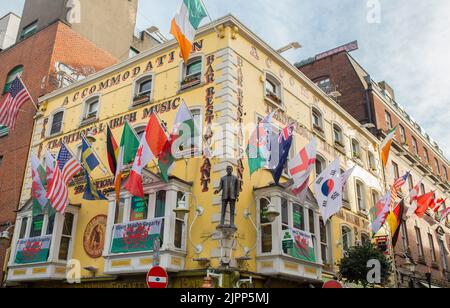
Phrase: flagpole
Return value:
(210, 18)
(31, 97)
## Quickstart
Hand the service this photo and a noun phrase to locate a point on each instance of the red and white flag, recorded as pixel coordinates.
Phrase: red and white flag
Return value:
(152, 143)
(300, 168)
(445, 213)
(16, 96)
(413, 196)
(66, 168)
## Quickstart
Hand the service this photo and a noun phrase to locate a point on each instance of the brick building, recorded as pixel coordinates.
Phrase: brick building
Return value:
(424, 245)
(47, 60)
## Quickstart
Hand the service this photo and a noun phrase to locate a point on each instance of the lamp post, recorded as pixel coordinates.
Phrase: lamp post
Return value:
(411, 267)
(428, 276)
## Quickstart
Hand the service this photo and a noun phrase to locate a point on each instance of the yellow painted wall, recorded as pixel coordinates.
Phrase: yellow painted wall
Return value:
(298, 94)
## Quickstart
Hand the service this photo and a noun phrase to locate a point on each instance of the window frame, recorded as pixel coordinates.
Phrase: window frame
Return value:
(51, 122)
(137, 95)
(186, 84)
(277, 98)
(86, 117)
(361, 201)
(29, 30)
(316, 113)
(388, 119)
(350, 239)
(356, 154)
(322, 160)
(432, 248)
(337, 130)
(56, 234)
(16, 71)
(419, 243)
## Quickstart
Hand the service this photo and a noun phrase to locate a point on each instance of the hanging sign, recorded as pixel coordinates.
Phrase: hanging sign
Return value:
(136, 236)
(33, 250)
(299, 244)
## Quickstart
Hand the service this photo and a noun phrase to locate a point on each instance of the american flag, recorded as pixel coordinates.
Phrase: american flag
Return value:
(10, 105)
(398, 184)
(66, 167)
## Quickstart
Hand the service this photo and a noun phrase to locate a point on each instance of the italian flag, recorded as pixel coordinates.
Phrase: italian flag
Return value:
(152, 143)
(184, 125)
(128, 147)
(386, 146)
(186, 23)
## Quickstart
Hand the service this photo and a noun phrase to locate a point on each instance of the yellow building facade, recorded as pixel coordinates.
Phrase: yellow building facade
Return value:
(232, 80)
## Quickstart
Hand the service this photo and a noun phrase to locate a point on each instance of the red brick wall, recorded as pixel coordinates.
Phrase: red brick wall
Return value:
(38, 54)
(380, 111)
(343, 76)
(423, 267)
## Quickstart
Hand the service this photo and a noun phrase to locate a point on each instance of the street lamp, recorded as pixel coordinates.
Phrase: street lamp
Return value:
(293, 45)
(271, 214)
(411, 267)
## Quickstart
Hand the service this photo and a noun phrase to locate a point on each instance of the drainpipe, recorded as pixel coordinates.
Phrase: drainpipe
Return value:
(368, 103)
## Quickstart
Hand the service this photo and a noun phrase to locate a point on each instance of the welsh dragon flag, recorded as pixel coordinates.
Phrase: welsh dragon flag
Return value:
(38, 191)
(184, 130)
(152, 143)
(258, 149)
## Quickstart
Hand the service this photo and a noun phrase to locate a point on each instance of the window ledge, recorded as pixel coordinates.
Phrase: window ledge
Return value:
(140, 100)
(55, 135)
(280, 105)
(184, 89)
(340, 148)
(88, 121)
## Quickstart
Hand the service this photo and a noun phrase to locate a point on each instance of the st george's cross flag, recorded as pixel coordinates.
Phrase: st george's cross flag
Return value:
(301, 167)
(185, 24)
(328, 189)
(16, 96)
(152, 143)
(66, 168)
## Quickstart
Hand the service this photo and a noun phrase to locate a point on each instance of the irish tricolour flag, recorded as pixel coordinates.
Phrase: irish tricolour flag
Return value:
(386, 146)
(186, 23)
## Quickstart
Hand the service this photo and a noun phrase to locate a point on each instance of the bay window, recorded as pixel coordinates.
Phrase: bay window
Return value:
(42, 244)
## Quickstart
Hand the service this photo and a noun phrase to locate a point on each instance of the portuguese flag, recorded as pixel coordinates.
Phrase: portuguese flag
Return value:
(395, 220)
(185, 24)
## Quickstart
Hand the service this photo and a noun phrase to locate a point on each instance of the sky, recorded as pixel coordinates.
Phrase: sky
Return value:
(405, 43)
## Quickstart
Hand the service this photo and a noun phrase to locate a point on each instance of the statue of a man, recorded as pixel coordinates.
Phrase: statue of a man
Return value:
(229, 186)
